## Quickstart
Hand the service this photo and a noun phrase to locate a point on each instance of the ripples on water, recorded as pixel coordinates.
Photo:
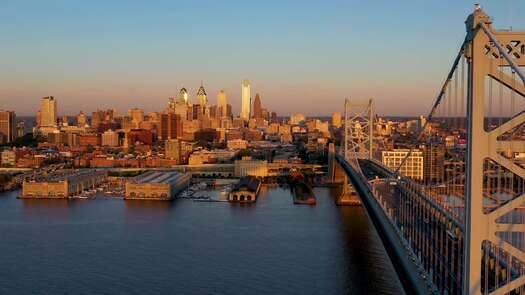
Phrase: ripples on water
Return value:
(111, 246)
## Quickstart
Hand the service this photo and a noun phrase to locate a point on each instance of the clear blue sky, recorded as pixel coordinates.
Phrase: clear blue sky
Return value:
(301, 56)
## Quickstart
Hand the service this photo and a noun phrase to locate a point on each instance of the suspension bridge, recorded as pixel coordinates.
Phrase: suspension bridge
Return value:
(448, 199)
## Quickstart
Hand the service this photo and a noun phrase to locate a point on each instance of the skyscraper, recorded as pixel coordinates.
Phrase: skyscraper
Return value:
(7, 126)
(257, 107)
(336, 119)
(201, 96)
(222, 104)
(183, 95)
(48, 112)
(137, 116)
(170, 126)
(246, 101)
(81, 119)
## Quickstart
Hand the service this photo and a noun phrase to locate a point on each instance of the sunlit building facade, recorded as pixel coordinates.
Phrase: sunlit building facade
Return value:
(246, 101)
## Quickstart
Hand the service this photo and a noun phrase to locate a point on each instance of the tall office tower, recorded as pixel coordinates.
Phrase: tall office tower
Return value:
(82, 119)
(273, 117)
(183, 95)
(222, 104)
(257, 107)
(170, 126)
(336, 119)
(246, 101)
(201, 96)
(137, 116)
(433, 162)
(96, 119)
(48, 112)
(7, 126)
(109, 114)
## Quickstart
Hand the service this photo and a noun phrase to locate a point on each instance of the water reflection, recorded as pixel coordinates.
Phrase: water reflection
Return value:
(30, 204)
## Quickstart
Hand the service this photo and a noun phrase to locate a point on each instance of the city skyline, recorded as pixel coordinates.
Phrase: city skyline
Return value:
(307, 53)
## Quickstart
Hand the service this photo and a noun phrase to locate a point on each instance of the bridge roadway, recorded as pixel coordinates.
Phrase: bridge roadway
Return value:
(409, 272)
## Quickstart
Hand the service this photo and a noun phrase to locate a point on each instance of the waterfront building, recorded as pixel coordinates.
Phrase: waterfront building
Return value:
(155, 185)
(7, 126)
(245, 100)
(245, 191)
(250, 167)
(110, 138)
(336, 119)
(257, 107)
(413, 166)
(63, 185)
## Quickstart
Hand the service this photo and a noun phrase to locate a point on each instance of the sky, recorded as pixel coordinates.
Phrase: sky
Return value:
(301, 56)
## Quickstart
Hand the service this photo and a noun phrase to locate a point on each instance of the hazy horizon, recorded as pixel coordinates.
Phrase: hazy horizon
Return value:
(302, 57)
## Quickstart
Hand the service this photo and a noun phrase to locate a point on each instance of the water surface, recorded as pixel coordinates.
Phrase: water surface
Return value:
(112, 246)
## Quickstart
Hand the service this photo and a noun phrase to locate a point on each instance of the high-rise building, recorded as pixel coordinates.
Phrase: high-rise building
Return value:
(412, 167)
(222, 104)
(81, 119)
(201, 96)
(336, 119)
(170, 126)
(7, 126)
(273, 117)
(97, 118)
(110, 138)
(172, 149)
(137, 116)
(245, 100)
(183, 95)
(48, 112)
(257, 107)
(433, 162)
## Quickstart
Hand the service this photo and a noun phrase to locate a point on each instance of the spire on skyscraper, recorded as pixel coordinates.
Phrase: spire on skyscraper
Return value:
(201, 96)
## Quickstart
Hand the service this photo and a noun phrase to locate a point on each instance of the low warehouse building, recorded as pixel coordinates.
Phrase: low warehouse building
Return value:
(63, 185)
(157, 186)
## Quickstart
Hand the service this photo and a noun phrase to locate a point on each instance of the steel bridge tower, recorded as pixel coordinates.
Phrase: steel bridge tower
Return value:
(359, 128)
(488, 53)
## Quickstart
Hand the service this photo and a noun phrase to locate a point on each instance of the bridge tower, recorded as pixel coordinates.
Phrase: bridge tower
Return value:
(357, 141)
(492, 56)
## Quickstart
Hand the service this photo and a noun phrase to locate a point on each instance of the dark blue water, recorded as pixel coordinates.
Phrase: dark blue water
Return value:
(111, 246)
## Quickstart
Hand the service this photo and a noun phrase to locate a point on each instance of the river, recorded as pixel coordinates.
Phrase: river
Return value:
(112, 246)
